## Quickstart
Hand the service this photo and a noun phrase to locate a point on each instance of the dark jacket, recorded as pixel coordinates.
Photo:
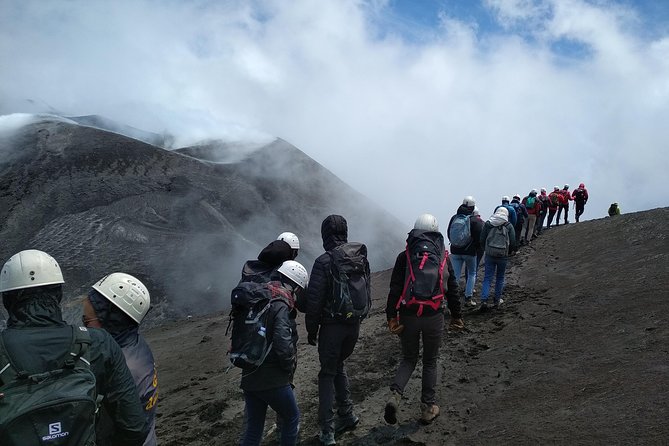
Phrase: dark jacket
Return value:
(334, 231)
(269, 260)
(278, 368)
(139, 359)
(475, 226)
(36, 337)
(521, 212)
(398, 279)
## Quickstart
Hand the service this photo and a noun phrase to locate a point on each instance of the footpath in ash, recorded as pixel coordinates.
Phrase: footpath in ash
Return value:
(577, 355)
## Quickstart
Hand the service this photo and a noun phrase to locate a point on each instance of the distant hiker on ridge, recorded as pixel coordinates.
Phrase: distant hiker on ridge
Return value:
(422, 278)
(463, 233)
(521, 216)
(554, 199)
(565, 198)
(533, 207)
(545, 203)
(580, 197)
(614, 209)
(118, 303)
(511, 209)
(338, 298)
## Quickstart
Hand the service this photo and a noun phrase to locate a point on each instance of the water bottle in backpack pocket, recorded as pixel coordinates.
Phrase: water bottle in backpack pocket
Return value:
(350, 281)
(53, 408)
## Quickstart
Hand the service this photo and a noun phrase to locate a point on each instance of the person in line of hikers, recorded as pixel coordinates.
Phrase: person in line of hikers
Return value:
(118, 303)
(614, 209)
(463, 233)
(88, 364)
(580, 197)
(498, 239)
(565, 198)
(267, 381)
(421, 279)
(554, 199)
(285, 247)
(479, 251)
(509, 208)
(533, 207)
(545, 202)
(338, 298)
(521, 216)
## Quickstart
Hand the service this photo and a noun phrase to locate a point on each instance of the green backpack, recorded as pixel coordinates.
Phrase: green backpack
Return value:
(53, 408)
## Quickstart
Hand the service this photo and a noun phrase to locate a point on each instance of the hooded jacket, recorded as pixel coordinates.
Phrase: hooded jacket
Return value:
(334, 231)
(269, 260)
(475, 226)
(511, 209)
(138, 357)
(37, 337)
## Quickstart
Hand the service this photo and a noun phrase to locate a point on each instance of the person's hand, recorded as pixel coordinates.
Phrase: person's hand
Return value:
(312, 338)
(395, 327)
(457, 324)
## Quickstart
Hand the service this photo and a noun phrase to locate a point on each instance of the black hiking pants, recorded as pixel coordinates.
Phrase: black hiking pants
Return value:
(430, 329)
(540, 221)
(551, 214)
(580, 207)
(562, 207)
(335, 344)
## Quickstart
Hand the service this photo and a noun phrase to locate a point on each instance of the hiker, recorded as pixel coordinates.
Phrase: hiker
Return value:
(498, 239)
(118, 303)
(421, 279)
(292, 240)
(479, 252)
(533, 207)
(463, 233)
(521, 216)
(545, 203)
(563, 205)
(553, 204)
(580, 197)
(511, 209)
(335, 307)
(88, 364)
(614, 209)
(268, 381)
(285, 247)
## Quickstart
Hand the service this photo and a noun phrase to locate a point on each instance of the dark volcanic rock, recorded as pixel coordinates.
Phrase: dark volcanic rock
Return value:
(101, 202)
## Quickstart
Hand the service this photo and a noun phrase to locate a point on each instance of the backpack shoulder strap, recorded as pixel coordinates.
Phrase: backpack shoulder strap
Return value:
(81, 341)
(7, 370)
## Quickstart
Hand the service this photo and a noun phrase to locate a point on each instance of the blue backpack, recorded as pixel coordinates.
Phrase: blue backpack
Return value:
(460, 233)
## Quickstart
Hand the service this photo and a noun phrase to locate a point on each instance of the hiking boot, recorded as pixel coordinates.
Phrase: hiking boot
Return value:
(470, 302)
(327, 438)
(484, 308)
(428, 413)
(343, 424)
(393, 404)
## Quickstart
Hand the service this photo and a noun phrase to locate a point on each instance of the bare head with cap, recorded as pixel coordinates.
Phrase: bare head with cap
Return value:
(426, 222)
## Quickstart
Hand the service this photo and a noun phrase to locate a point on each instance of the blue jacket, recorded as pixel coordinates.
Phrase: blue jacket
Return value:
(512, 212)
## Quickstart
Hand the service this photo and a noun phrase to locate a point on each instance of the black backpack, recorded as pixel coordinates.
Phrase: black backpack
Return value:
(251, 338)
(54, 408)
(258, 272)
(349, 269)
(579, 195)
(426, 259)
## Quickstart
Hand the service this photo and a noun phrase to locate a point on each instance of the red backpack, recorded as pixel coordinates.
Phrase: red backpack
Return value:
(426, 260)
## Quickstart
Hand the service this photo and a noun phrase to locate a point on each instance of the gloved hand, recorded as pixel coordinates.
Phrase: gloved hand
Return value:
(312, 338)
(457, 324)
(395, 327)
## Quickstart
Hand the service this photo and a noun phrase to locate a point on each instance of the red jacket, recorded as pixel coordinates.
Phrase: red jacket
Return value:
(565, 197)
(585, 194)
(535, 209)
(552, 206)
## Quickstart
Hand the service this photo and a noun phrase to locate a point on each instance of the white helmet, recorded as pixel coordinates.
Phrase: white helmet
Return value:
(566, 186)
(127, 293)
(556, 188)
(534, 191)
(28, 269)
(469, 201)
(543, 190)
(426, 222)
(476, 211)
(505, 198)
(290, 238)
(295, 272)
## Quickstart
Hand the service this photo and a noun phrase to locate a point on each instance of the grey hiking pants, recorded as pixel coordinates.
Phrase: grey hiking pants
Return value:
(335, 343)
(431, 329)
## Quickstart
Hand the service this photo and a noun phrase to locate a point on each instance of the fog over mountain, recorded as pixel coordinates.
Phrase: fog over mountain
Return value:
(183, 221)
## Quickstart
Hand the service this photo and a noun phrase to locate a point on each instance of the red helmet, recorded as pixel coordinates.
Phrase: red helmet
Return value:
(582, 186)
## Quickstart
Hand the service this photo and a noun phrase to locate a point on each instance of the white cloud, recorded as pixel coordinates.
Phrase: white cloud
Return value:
(415, 125)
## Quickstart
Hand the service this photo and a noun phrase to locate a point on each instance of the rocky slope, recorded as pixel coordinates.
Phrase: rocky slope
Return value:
(578, 355)
(101, 202)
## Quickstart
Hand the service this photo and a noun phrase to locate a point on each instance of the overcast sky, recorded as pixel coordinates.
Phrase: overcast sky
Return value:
(415, 103)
